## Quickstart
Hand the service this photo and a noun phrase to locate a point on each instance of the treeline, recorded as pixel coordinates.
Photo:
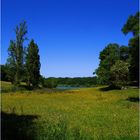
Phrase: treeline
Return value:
(53, 82)
(23, 63)
(119, 65)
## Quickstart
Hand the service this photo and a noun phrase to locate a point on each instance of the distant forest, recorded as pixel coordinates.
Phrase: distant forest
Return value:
(52, 82)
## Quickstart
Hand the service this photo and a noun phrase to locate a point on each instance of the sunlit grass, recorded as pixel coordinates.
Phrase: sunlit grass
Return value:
(86, 113)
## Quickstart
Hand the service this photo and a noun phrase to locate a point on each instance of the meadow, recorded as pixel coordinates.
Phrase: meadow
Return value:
(81, 114)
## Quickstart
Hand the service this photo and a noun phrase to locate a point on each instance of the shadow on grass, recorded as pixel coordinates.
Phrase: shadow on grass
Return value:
(133, 99)
(108, 88)
(22, 127)
(17, 127)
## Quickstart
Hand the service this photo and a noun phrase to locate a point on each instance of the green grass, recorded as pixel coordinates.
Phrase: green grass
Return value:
(8, 87)
(82, 114)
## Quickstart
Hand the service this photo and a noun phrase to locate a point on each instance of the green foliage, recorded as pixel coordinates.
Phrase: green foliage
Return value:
(4, 76)
(132, 26)
(11, 62)
(134, 61)
(124, 53)
(16, 54)
(108, 58)
(119, 73)
(17, 69)
(78, 81)
(7, 87)
(33, 64)
(53, 82)
(50, 82)
(129, 55)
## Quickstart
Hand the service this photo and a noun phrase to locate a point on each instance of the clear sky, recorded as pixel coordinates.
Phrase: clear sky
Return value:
(70, 33)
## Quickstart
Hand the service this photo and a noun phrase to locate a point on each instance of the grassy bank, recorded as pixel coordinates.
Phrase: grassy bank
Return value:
(87, 113)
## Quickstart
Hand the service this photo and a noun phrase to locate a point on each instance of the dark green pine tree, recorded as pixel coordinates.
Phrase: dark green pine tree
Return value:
(33, 64)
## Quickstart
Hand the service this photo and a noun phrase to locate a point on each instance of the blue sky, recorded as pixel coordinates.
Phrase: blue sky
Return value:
(70, 33)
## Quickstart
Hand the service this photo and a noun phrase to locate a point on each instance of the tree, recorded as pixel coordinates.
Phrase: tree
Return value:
(33, 64)
(134, 59)
(124, 53)
(11, 62)
(3, 73)
(16, 54)
(128, 55)
(132, 26)
(108, 57)
(119, 74)
(50, 82)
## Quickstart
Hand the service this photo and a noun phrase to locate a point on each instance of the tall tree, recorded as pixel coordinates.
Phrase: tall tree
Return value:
(33, 64)
(132, 26)
(16, 54)
(108, 57)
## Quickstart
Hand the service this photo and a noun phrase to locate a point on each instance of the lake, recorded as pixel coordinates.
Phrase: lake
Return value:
(67, 87)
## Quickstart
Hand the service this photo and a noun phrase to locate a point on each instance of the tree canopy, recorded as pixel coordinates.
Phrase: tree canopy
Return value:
(119, 64)
(15, 60)
(33, 64)
(132, 26)
(108, 57)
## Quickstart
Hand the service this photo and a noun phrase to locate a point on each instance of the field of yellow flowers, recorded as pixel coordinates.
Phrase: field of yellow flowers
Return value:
(81, 114)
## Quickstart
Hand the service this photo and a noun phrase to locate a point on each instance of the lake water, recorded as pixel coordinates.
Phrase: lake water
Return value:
(67, 87)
